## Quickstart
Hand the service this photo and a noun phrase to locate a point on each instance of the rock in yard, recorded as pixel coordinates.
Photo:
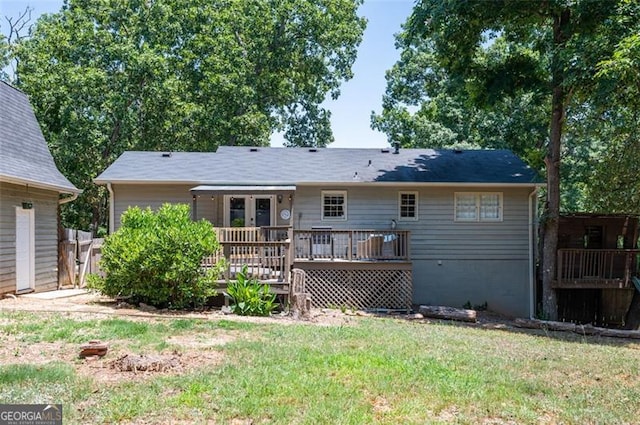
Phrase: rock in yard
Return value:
(94, 348)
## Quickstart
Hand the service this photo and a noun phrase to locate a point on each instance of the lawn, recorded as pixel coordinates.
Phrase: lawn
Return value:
(365, 371)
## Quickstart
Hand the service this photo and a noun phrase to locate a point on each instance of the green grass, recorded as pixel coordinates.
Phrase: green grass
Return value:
(377, 371)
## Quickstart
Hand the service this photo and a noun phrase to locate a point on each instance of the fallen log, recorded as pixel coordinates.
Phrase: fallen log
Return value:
(448, 313)
(545, 324)
(579, 329)
(614, 333)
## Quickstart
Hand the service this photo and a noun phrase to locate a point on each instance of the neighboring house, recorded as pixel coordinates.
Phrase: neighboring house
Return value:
(456, 225)
(30, 193)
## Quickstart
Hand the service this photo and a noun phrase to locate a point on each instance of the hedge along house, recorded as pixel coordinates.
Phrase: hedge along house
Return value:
(373, 228)
(31, 190)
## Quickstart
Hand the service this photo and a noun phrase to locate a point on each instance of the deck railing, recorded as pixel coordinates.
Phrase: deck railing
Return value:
(252, 234)
(264, 250)
(269, 252)
(597, 267)
(351, 245)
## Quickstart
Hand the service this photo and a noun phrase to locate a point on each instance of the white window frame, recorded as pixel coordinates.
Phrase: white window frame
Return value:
(478, 205)
(417, 202)
(326, 193)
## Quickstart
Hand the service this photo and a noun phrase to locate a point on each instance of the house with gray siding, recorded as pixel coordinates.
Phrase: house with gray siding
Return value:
(455, 226)
(31, 190)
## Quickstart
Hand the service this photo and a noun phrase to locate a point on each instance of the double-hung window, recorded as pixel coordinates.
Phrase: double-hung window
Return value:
(478, 206)
(334, 204)
(408, 205)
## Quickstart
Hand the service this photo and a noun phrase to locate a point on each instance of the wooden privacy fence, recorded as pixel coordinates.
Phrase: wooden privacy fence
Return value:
(79, 254)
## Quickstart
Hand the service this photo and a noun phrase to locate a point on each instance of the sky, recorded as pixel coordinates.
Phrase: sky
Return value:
(351, 112)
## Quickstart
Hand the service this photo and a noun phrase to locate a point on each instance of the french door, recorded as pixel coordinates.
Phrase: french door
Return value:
(249, 210)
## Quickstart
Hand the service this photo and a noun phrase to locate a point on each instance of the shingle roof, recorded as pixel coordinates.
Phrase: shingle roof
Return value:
(25, 156)
(287, 166)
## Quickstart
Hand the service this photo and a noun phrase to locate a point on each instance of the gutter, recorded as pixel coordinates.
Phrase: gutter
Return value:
(532, 250)
(112, 208)
(71, 198)
(39, 185)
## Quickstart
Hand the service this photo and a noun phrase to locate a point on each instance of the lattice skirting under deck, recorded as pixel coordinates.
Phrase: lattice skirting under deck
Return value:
(359, 287)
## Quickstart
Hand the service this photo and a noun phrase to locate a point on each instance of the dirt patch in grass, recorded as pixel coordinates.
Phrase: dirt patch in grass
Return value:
(89, 305)
(188, 350)
(193, 354)
(108, 370)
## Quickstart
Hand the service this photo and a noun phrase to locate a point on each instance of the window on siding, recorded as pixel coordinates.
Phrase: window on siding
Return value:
(334, 205)
(408, 204)
(478, 206)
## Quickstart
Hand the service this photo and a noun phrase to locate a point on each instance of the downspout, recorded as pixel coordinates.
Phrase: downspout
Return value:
(112, 209)
(532, 250)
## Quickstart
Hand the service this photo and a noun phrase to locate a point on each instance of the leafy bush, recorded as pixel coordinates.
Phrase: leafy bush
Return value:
(156, 258)
(250, 297)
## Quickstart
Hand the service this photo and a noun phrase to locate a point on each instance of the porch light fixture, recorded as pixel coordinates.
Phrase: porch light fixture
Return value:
(27, 205)
(280, 198)
(394, 224)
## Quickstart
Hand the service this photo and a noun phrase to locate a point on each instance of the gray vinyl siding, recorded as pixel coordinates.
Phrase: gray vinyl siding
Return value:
(435, 235)
(208, 207)
(45, 205)
(453, 262)
(146, 195)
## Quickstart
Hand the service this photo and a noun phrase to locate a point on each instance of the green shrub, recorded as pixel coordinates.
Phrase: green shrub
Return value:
(249, 297)
(156, 258)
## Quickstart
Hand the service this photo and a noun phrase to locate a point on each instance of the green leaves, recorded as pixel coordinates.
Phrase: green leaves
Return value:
(249, 296)
(479, 73)
(106, 76)
(156, 258)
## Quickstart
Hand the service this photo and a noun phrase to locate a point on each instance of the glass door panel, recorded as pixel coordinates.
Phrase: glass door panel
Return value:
(237, 211)
(262, 212)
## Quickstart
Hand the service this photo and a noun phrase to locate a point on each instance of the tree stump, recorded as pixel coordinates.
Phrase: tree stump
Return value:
(301, 304)
(145, 363)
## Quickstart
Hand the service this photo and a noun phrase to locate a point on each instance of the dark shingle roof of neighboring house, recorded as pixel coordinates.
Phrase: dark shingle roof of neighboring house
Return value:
(286, 166)
(25, 157)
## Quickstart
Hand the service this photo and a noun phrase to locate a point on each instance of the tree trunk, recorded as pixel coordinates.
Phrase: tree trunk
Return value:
(552, 208)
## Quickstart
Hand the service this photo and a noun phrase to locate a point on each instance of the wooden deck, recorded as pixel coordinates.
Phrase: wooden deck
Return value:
(363, 269)
(597, 268)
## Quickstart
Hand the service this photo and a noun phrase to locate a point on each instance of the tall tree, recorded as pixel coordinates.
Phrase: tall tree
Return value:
(106, 76)
(427, 105)
(547, 51)
(616, 186)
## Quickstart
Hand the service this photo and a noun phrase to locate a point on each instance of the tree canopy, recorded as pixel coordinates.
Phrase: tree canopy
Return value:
(529, 75)
(498, 93)
(106, 76)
